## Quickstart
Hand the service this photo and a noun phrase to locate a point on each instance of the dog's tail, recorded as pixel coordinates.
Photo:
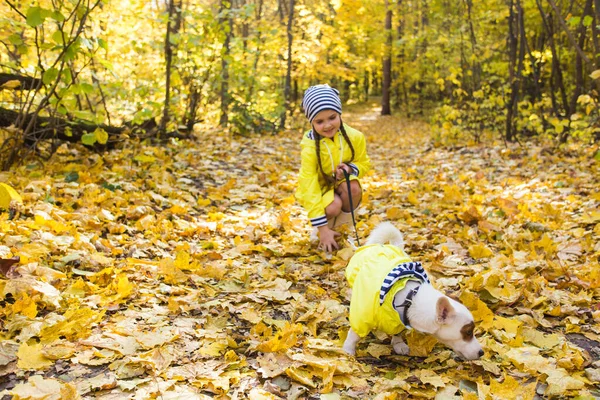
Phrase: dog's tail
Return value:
(386, 232)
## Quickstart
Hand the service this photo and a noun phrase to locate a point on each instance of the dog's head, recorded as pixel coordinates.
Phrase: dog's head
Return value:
(455, 328)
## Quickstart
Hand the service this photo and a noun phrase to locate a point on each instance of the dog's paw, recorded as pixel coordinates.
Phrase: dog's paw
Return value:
(401, 349)
(399, 346)
(350, 350)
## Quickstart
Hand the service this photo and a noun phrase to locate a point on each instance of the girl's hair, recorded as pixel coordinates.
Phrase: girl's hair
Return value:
(330, 180)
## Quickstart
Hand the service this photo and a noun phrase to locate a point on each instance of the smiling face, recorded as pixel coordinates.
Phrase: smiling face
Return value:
(327, 123)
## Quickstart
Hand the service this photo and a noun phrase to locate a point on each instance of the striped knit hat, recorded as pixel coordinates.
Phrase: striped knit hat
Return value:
(319, 98)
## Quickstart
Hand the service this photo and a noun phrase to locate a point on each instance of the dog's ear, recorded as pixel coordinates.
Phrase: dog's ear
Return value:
(445, 313)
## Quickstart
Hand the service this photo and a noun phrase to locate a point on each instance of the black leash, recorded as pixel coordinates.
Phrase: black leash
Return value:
(347, 176)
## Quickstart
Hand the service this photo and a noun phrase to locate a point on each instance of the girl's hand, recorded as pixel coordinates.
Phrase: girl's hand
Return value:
(327, 240)
(339, 171)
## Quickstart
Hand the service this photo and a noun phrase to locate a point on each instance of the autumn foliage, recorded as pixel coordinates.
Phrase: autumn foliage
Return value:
(186, 271)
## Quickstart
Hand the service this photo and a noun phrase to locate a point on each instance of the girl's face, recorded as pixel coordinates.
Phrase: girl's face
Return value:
(327, 123)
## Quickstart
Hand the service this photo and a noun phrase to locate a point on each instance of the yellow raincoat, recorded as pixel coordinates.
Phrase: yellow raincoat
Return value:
(365, 273)
(311, 185)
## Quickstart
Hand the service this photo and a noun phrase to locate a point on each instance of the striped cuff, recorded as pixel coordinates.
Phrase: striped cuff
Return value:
(354, 169)
(319, 221)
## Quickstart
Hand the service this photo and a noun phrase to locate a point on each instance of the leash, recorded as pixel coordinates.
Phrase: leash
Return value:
(347, 176)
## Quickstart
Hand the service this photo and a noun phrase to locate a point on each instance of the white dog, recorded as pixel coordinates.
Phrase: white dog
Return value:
(391, 293)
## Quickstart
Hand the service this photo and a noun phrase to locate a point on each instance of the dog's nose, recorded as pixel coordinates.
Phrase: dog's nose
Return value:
(480, 354)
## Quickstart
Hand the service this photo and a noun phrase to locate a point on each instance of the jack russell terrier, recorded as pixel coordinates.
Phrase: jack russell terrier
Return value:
(391, 293)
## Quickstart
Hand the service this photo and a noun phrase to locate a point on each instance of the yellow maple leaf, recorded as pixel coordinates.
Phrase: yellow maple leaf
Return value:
(510, 388)
(170, 272)
(345, 253)
(213, 349)
(283, 339)
(412, 198)
(508, 325)
(420, 344)
(179, 210)
(560, 381)
(124, 287)
(430, 377)
(76, 323)
(59, 350)
(203, 202)
(452, 194)
(30, 356)
(327, 375)
(8, 195)
(480, 251)
(144, 159)
(25, 305)
(377, 350)
(38, 387)
(540, 339)
(56, 226)
(471, 216)
(301, 375)
(546, 244)
(393, 213)
(481, 313)
(261, 394)
(509, 207)
(158, 358)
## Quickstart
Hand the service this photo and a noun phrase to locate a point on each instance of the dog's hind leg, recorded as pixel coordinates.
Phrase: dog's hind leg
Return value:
(399, 346)
(351, 341)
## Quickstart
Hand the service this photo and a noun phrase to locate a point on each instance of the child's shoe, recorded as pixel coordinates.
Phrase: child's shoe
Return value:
(342, 219)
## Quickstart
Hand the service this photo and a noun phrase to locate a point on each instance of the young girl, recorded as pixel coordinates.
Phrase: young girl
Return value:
(327, 149)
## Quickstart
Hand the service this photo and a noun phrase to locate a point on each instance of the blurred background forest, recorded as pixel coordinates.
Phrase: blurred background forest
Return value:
(103, 72)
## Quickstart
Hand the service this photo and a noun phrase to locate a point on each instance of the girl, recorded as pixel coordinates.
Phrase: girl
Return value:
(328, 149)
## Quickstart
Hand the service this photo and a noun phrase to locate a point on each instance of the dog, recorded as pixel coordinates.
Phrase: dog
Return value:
(391, 293)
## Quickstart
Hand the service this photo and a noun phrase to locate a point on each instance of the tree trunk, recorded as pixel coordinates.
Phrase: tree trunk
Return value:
(562, 23)
(288, 76)
(259, 43)
(475, 67)
(579, 66)
(387, 63)
(556, 77)
(168, 61)
(401, 93)
(595, 32)
(512, 78)
(227, 27)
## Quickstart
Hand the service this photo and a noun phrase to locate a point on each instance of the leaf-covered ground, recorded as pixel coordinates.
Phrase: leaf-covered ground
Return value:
(185, 271)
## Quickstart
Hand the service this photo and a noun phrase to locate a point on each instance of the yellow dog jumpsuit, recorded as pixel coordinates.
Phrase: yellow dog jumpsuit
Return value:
(368, 273)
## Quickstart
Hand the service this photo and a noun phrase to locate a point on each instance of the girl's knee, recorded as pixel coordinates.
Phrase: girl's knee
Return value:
(355, 189)
(335, 207)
